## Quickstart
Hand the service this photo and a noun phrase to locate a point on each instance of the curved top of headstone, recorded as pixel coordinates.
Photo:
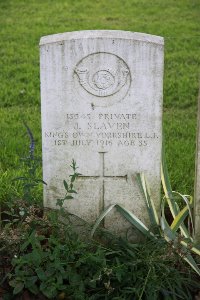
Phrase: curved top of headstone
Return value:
(143, 37)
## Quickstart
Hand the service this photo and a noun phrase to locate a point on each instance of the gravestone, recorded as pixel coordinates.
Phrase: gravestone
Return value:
(101, 94)
(197, 180)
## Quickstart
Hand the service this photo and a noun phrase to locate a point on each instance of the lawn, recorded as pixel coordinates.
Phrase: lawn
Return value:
(40, 254)
(23, 22)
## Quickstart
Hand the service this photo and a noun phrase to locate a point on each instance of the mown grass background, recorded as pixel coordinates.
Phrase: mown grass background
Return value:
(23, 22)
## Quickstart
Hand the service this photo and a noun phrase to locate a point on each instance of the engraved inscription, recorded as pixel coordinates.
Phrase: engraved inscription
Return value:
(95, 78)
(102, 132)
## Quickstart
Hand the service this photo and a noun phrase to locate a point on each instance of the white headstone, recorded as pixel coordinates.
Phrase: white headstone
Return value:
(197, 179)
(102, 106)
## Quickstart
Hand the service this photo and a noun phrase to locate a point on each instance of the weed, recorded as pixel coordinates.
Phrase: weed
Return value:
(30, 165)
(69, 187)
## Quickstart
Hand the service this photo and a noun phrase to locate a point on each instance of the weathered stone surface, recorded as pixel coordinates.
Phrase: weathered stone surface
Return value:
(102, 106)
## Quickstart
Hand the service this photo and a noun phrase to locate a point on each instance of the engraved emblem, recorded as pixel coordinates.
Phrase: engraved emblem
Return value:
(102, 76)
(103, 79)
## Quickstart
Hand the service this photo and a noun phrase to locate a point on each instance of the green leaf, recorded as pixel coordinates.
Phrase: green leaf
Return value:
(179, 219)
(128, 215)
(40, 180)
(73, 177)
(188, 205)
(72, 192)
(153, 215)
(73, 165)
(34, 289)
(25, 245)
(190, 247)
(169, 194)
(170, 236)
(135, 221)
(68, 197)
(13, 282)
(101, 217)
(49, 291)
(77, 174)
(65, 185)
(30, 284)
(41, 274)
(165, 177)
(59, 202)
(190, 260)
(19, 285)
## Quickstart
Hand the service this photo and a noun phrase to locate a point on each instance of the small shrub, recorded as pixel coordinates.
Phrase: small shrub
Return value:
(52, 260)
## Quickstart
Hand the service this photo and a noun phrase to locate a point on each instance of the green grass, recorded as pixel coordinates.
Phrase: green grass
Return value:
(23, 22)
